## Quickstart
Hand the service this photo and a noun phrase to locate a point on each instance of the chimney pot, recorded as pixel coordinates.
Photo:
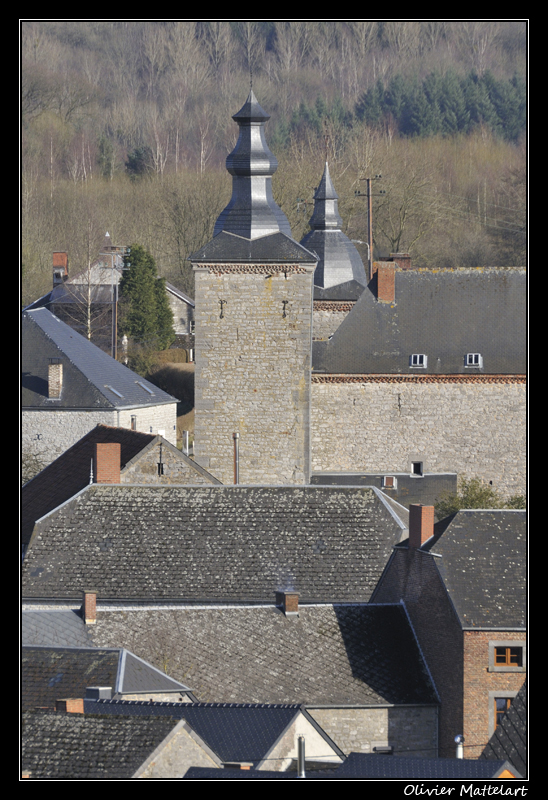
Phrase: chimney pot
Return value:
(421, 524)
(108, 456)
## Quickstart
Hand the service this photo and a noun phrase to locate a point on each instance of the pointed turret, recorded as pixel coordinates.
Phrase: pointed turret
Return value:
(252, 211)
(339, 261)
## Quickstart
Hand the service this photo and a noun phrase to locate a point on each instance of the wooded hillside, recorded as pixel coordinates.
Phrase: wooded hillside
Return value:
(126, 126)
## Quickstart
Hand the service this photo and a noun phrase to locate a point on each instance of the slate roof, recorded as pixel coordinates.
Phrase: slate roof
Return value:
(483, 566)
(91, 378)
(330, 655)
(70, 473)
(443, 314)
(369, 766)
(233, 731)
(509, 741)
(59, 746)
(54, 628)
(213, 544)
(275, 248)
(52, 673)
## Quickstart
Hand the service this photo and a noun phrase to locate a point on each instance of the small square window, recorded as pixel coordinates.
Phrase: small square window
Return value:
(474, 360)
(416, 468)
(418, 360)
(389, 482)
(507, 656)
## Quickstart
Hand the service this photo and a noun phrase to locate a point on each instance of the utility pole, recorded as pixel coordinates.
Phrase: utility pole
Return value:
(369, 195)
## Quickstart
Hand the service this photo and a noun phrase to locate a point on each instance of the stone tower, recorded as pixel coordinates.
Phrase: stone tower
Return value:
(254, 295)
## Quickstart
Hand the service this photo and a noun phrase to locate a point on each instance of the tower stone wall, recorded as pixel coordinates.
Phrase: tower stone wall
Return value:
(253, 357)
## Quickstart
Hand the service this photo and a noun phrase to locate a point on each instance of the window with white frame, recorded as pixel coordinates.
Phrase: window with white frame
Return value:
(418, 360)
(473, 360)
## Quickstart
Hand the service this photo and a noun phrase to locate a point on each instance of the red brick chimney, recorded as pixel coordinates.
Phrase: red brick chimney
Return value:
(421, 524)
(89, 607)
(72, 705)
(60, 268)
(107, 458)
(288, 602)
(386, 281)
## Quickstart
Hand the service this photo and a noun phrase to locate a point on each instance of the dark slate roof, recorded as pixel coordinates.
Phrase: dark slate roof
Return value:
(483, 566)
(275, 248)
(52, 673)
(54, 628)
(215, 544)
(443, 314)
(425, 489)
(329, 655)
(369, 766)
(59, 746)
(91, 378)
(509, 741)
(212, 774)
(233, 731)
(70, 473)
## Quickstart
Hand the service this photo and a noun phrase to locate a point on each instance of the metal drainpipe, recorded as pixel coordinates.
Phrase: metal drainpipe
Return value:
(236, 437)
(300, 758)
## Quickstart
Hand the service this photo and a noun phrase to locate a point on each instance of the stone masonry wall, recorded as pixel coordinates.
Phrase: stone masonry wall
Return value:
(49, 433)
(253, 354)
(411, 730)
(474, 429)
(176, 469)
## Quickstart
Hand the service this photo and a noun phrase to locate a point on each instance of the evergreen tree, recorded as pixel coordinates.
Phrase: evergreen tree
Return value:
(146, 315)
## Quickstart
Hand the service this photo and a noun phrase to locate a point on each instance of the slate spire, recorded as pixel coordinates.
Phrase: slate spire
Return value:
(339, 261)
(252, 211)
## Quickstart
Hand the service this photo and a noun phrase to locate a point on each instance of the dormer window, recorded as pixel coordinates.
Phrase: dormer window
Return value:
(418, 360)
(473, 360)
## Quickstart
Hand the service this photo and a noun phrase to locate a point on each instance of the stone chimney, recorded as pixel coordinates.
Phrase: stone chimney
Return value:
(55, 377)
(89, 607)
(385, 272)
(60, 268)
(107, 458)
(72, 705)
(288, 602)
(421, 524)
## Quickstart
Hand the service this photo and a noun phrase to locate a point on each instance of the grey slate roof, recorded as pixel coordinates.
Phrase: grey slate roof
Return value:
(275, 248)
(70, 473)
(214, 544)
(483, 566)
(509, 741)
(54, 628)
(58, 746)
(52, 673)
(89, 374)
(369, 766)
(335, 655)
(443, 314)
(233, 731)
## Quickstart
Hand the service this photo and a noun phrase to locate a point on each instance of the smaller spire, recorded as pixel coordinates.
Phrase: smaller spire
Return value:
(338, 260)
